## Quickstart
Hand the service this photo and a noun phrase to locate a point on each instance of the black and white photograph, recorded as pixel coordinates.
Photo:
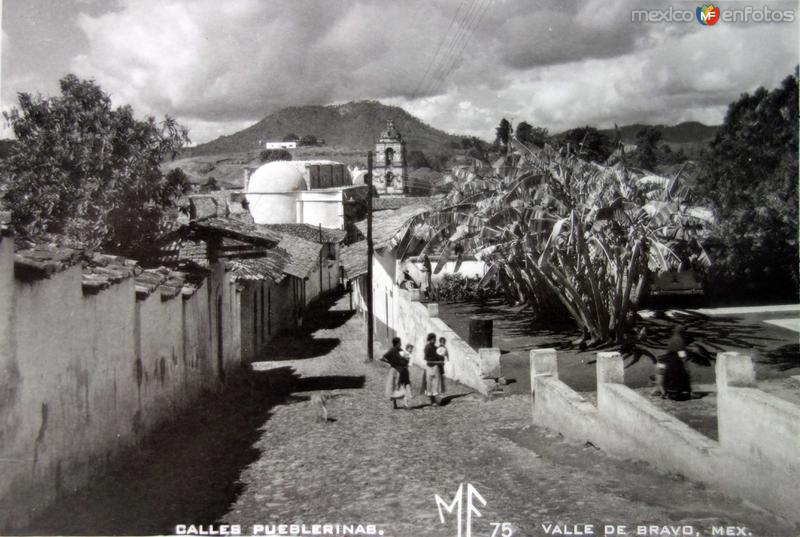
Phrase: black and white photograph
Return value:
(418, 268)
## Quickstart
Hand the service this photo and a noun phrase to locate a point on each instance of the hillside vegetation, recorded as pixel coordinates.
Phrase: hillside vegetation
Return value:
(682, 133)
(355, 125)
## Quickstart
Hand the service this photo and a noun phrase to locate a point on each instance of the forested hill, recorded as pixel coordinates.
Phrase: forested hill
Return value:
(355, 125)
(682, 133)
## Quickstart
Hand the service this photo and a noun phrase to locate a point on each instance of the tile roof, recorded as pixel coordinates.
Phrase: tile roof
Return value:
(272, 265)
(43, 260)
(308, 232)
(303, 256)
(388, 226)
(353, 259)
(169, 283)
(235, 229)
(388, 203)
(102, 271)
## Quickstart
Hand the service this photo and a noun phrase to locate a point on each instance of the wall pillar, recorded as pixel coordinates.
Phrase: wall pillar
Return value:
(734, 370)
(610, 370)
(543, 363)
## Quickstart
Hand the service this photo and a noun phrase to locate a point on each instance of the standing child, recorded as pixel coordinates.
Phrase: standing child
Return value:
(441, 350)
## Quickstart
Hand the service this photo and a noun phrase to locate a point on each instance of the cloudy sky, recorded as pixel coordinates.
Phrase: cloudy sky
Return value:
(460, 65)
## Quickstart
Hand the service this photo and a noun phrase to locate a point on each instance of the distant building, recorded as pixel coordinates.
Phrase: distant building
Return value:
(315, 192)
(281, 145)
(390, 172)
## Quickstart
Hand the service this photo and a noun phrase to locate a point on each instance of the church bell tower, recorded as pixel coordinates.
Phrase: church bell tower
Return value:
(390, 173)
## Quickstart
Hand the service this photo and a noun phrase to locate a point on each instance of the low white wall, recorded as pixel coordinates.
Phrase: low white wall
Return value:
(558, 407)
(757, 457)
(412, 322)
(398, 312)
(469, 269)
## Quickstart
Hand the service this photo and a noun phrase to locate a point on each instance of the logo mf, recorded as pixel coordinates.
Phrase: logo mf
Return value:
(457, 505)
(707, 14)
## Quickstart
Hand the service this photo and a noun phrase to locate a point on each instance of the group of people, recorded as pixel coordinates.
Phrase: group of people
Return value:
(398, 382)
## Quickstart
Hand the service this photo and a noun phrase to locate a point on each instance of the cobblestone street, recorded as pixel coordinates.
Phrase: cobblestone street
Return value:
(375, 465)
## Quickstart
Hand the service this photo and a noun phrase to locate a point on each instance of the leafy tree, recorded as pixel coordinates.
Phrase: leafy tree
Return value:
(308, 139)
(475, 147)
(587, 143)
(417, 159)
(269, 155)
(503, 132)
(90, 173)
(291, 137)
(556, 229)
(647, 147)
(528, 134)
(440, 161)
(750, 179)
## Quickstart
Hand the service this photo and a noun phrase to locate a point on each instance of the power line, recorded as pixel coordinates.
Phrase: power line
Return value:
(460, 32)
(438, 49)
(476, 21)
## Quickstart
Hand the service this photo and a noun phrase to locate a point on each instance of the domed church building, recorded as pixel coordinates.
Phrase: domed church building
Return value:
(315, 192)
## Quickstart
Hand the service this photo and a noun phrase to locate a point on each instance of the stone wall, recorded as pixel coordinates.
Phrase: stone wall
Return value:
(87, 374)
(756, 458)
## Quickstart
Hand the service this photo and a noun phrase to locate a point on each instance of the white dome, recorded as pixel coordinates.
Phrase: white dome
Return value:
(274, 189)
(278, 176)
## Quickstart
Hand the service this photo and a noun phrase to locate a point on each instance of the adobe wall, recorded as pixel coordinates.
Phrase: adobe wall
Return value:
(85, 375)
(756, 457)
(259, 325)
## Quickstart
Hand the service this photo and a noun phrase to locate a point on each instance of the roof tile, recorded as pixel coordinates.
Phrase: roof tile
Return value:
(303, 254)
(308, 232)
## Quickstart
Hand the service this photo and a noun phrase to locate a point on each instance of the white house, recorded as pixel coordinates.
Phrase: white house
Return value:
(281, 145)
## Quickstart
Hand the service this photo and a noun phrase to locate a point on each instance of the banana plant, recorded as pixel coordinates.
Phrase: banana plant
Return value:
(558, 229)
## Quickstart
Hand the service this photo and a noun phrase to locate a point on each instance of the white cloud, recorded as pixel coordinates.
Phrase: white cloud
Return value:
(563, 63)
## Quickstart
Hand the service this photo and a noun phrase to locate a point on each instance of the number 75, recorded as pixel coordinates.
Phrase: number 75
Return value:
(503, 529)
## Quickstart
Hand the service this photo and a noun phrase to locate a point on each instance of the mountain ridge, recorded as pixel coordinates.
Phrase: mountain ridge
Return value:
(356, 124)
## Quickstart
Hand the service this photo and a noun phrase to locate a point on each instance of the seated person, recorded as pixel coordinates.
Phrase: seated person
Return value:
(407, 282)
(672, 377)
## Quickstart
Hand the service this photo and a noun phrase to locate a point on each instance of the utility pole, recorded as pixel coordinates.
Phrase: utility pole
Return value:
(370, 321)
